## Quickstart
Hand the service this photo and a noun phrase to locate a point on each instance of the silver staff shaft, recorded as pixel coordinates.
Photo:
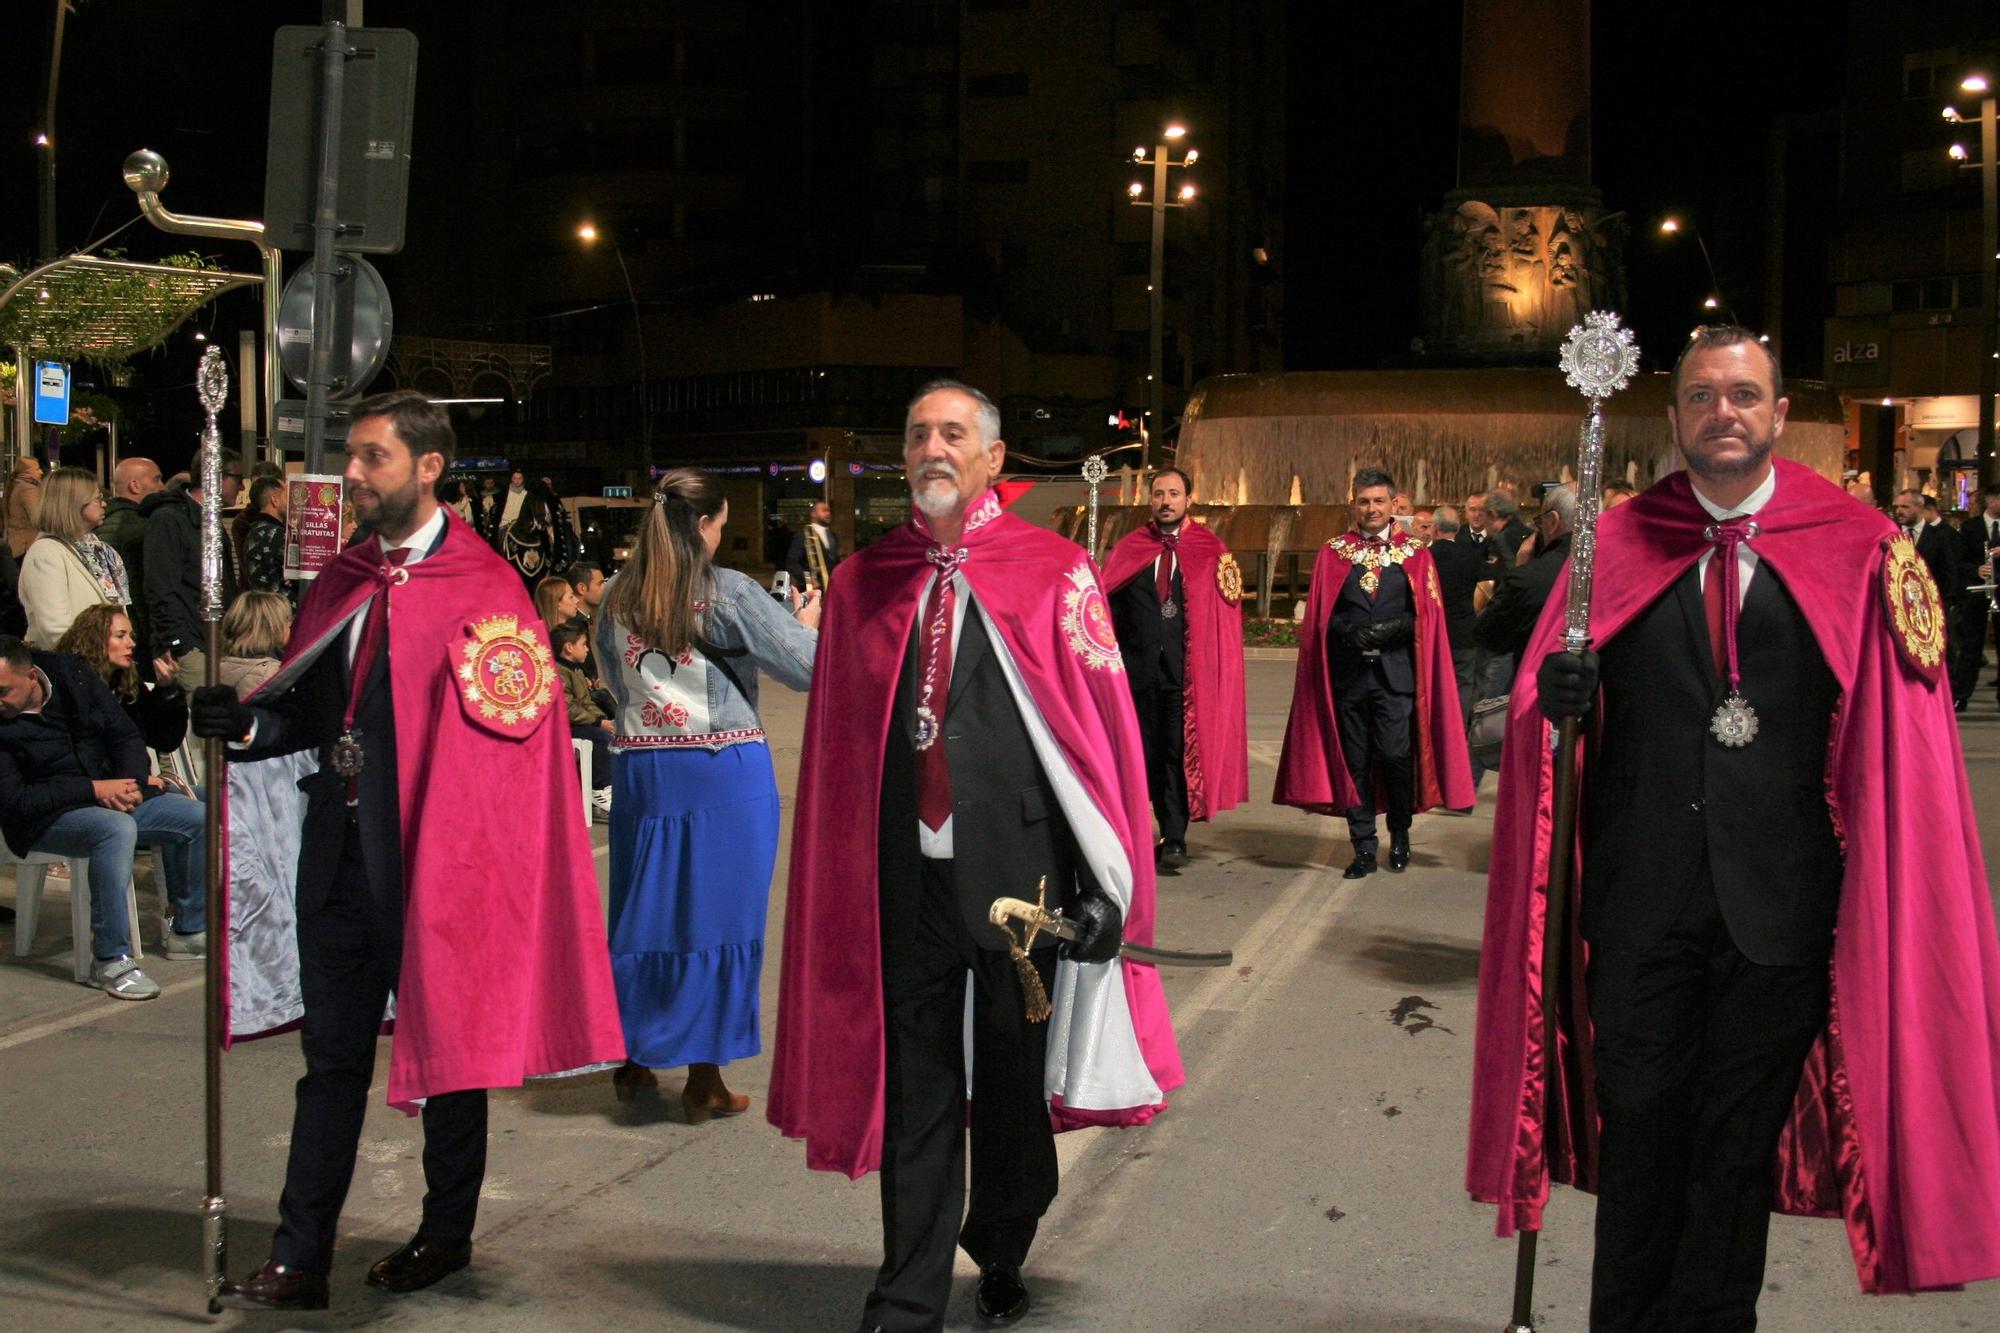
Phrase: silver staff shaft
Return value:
(1094, 473)
(212, 383)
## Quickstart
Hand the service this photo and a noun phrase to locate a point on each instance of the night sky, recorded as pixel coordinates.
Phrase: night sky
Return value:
(1684, 99)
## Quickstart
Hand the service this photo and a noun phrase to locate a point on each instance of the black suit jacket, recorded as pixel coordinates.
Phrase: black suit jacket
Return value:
(48, 760)
(1153, 646)
(1972, 547)
(795, 555)
(1460, 564)
(1508, 622)
(1008, 829)
(1345, 666)
(1667, 807)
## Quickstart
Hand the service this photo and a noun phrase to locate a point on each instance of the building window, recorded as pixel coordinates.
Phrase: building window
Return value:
(997, 85)
(993, 173)
(1929, 73)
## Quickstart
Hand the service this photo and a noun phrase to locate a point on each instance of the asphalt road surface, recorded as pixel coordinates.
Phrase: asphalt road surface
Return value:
(1308, 1177)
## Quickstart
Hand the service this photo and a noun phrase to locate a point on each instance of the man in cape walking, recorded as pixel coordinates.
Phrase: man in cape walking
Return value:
(1783, 987)
(421, 678)
(1375, 722)
(1175, 593)
(967, 738)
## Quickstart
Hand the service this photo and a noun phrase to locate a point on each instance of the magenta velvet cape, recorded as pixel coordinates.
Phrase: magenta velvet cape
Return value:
(505, 974)
(1312, 774)
(1216, 755)
(1041, 598)
(1897, 1122)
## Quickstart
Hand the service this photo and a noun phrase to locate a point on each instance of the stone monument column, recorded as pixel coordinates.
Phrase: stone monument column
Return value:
(1523, 247)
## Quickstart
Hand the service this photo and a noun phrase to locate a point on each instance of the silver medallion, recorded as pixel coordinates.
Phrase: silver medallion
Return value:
(1170, 608)
(927, 727)
(1735, 722)
(347, 756)
(1600, 356)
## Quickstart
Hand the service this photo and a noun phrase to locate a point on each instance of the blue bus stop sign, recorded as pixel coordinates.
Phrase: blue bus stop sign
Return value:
(51, 393)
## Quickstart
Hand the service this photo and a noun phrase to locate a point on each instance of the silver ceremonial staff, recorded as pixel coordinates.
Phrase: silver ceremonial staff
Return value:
(1094, 473)
(212, 383)
(1598, 358)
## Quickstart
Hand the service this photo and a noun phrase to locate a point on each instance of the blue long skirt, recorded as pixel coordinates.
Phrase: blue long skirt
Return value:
(694, 837)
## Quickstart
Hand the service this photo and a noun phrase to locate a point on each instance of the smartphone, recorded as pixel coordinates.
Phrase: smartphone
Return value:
(781, 586)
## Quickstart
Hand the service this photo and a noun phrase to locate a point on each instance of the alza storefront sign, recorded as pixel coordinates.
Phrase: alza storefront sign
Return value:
(1849, 353)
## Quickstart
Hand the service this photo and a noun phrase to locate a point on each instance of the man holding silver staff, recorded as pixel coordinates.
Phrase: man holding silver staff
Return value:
(417, 666)
(1782, 989)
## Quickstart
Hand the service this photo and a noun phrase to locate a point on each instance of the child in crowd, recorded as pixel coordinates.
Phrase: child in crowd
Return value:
(587, 721)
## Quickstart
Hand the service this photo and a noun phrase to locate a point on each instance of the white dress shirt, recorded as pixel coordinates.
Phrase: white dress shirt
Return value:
(1746, 555)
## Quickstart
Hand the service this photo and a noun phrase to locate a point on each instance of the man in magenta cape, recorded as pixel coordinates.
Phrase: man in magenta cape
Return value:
(1314, 772)
(1183, 661)
(1895, 1123)
(1110, 1050)
(449, 869)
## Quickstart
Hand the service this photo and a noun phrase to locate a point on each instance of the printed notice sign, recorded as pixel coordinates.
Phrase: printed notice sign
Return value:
(312, 524)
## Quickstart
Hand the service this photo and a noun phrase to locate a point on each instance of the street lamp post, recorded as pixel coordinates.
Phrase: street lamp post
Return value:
(589, 234)
(1989, 180)
(1672, 227)
(1160, 161)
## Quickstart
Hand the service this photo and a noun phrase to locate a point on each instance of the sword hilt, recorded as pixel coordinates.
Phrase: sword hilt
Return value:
(1006, 911)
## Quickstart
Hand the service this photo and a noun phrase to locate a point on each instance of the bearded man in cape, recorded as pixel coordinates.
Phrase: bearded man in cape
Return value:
(1175, 595)
(967, 738)
(1783, 987)
(420, 676)
(1375, 723)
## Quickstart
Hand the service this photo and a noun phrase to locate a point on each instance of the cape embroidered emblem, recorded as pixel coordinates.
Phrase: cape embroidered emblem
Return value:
(1087, 622)
(1229, 579)
(506, 672)
(1914, 608)
(1431, 584)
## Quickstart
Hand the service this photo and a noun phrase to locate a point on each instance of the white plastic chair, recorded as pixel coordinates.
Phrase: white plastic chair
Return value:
(582, 749)
(30, 872)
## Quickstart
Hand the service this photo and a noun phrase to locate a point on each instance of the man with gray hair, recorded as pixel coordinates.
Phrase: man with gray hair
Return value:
(1521, 593)
(1504, 529)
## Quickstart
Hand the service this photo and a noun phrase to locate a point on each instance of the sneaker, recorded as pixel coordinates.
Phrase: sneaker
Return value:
(121, 979)
(181, 948)
(600, 801)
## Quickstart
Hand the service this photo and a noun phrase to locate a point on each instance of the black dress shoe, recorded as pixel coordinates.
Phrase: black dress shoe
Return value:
(419, 1264)
(1172, 854)
(1001, 1299)
(1363, 866)
(276, 1287)
(1399, 855)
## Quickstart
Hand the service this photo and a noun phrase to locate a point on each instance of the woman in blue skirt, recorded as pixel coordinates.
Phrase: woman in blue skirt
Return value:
(694, 819)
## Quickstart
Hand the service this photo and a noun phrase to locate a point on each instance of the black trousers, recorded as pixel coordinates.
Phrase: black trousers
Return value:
(924, 967)
(1698, 1053)
(1163, 731)
(348, 963)
(1968, 644)
(1375, 739)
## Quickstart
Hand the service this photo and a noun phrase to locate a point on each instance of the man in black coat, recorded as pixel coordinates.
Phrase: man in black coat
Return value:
(1504, 628)
(819, 526)
(264, 537)
(1460, 565)
(74, 781)
(173, 582)
(1504, 531)
(1977, 538)
(1152, 636)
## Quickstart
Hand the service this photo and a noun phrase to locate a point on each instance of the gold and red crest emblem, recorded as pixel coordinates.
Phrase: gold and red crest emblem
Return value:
(1086, 621)
(1914, 610)
(506, 675)
(1229, 579)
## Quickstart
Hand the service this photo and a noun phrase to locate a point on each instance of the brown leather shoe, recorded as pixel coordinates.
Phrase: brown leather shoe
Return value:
(276, 1287)
(419, 1264)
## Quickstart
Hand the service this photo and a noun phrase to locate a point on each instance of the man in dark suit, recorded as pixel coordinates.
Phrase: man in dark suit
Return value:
(1978, 536)
(1504, 530)
(1504, 627)
(801, 559)
(1152, 636)
(1459, 566)
(351, 902)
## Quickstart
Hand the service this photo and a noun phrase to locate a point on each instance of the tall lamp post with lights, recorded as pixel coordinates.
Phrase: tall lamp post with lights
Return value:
(1988, 121)
(1161, 160)
(588, 233)
(1673, 226)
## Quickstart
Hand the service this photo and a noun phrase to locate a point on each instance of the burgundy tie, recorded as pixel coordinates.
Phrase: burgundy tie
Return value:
(374, 630)
(934, 686)
(1721, 583)
(1163, 570)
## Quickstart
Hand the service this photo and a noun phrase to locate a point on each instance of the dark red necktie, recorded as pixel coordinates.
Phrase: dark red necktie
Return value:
(1717, 590)
(373, 630)
(1163, 569)
(933, 688)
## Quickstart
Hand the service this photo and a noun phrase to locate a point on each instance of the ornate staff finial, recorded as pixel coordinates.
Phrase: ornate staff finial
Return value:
(1599, 358)
(211, 382)
(1094, 473)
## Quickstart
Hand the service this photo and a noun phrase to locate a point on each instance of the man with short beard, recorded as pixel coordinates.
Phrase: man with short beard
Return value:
(1176, 596)
(1771, 743)
(420, 676)
(968, 738)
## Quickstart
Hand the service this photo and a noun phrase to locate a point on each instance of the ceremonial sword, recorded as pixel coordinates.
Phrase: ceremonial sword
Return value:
(1008, 910)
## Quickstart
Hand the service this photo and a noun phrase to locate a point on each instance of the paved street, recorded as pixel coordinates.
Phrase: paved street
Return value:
(1309, 1177)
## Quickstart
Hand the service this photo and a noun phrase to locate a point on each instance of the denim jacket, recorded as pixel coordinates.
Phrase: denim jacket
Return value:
(743, 627)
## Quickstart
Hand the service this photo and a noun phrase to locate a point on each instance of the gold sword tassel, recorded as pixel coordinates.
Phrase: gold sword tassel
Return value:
(1037, 997)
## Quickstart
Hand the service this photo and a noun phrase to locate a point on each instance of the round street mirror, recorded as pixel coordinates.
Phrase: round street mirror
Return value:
(363, 323)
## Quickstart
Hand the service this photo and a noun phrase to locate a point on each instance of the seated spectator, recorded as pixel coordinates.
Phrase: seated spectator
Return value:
(264, 536)
(68, 568)
(103, 636)
(74, 783)
(587, 722)
(255, 630)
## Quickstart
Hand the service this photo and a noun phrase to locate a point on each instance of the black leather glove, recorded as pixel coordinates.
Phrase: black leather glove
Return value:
(1100, 930)
(1566, 684)
(217, 714)
(1377, 634)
